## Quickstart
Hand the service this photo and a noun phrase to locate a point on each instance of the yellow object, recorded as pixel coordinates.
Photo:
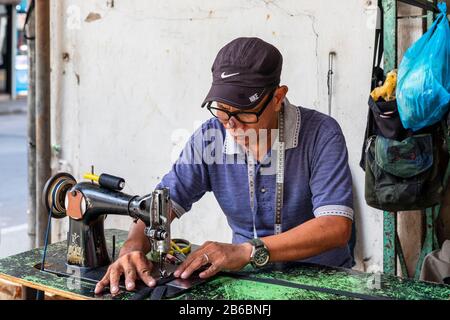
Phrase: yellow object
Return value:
(387, 90)
(91, 176)
(180, 245)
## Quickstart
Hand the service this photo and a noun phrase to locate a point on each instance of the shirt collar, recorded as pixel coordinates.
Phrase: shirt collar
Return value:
(292, 120)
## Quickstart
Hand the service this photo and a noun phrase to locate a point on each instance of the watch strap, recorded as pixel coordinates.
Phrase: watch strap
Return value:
(257, 243)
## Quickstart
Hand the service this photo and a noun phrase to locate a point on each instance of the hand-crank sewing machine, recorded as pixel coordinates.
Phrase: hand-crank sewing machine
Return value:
(88, 203)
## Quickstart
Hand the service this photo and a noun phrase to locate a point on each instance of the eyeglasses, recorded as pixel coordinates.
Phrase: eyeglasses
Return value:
(243, 116)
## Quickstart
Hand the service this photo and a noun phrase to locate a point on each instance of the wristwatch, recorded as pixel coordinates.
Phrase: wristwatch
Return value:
(260, 254)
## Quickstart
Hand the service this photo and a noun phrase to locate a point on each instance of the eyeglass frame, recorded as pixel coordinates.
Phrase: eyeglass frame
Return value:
(236, 113)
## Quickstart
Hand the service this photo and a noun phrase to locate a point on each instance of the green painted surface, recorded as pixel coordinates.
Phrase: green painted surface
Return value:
(389, 247)
(430, 234)
(224, 287)
(390, 63)
(390, 34)
(378, 285)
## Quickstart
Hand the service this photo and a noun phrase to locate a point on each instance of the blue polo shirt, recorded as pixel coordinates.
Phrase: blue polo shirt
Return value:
(317, 178)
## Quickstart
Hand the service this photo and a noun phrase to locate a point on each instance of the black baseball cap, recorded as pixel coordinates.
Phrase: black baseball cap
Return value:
(244, 71)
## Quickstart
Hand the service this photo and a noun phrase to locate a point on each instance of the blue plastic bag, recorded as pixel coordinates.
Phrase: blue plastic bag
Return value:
(423, 85)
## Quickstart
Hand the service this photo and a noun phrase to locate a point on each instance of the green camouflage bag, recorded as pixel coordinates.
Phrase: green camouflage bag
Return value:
(408, 174)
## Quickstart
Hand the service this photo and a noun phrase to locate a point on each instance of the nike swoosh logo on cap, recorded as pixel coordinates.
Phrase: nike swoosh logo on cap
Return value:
(223, 75)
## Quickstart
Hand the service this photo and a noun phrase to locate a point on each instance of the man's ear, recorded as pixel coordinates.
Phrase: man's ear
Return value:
(279, 95)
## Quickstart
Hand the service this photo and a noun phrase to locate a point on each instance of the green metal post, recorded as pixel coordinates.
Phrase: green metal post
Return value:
(390, 34)
(437, 211)
(428, 241)
(389, 247)
(390, 63)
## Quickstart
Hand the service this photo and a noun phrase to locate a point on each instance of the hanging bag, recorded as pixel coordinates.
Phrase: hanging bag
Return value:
(408, 174)
(423, 90)
(404, 169)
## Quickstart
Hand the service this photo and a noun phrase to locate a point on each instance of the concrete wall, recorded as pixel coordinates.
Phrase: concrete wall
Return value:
(128, 77)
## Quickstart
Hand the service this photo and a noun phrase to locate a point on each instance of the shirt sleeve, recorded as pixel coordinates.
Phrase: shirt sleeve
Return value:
(331, 180)
(188, 179)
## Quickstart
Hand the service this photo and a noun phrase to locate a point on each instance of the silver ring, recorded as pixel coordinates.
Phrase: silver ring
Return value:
(207, 258)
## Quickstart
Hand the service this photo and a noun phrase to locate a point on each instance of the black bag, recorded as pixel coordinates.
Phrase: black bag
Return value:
(408, 174)
(387, 120)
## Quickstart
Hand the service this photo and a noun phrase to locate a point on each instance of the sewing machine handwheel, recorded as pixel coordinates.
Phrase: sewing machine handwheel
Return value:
(54, 193)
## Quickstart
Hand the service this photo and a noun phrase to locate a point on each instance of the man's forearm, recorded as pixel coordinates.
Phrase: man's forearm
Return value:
(309, 239)
(137, 240)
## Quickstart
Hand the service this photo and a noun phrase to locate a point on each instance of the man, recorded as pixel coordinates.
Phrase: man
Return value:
(279, 173)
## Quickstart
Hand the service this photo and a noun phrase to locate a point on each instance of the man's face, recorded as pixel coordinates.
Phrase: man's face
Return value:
(244, 132)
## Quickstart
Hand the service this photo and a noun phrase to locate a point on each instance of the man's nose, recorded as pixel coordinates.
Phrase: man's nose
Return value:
(233, 123)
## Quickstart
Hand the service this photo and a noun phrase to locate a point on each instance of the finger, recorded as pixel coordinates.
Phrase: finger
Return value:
(130, 274)
(193, 256)
(114, 278)
(102, 283)
(212, 270)
(144, 269)
(196, 264)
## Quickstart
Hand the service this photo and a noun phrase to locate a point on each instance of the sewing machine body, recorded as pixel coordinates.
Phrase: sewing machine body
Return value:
(87, 204)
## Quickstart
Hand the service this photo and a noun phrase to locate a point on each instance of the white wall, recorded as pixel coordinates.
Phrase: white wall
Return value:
(127, 87)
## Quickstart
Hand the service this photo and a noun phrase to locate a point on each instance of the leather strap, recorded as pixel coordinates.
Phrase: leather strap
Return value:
(156, 293)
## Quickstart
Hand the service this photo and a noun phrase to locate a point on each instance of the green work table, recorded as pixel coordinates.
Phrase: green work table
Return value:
(298, 281)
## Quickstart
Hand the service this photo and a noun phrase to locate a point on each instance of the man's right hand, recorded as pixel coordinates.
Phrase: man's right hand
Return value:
(134, 265)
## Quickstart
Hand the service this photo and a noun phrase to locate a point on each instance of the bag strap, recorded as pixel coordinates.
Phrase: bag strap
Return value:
(377, 75)
(378, 49)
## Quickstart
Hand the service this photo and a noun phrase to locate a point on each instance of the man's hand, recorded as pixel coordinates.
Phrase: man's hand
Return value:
(133, 265)
(220, 255)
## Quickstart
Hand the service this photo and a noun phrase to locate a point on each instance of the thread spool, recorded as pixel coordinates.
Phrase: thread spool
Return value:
(111, 182)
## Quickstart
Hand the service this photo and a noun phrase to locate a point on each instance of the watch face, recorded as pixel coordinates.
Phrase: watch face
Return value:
(261, 257)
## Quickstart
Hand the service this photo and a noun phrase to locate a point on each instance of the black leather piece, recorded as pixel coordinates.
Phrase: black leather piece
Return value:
(158, 292)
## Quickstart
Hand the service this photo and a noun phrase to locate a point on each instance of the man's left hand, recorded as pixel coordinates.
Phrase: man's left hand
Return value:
(220, 256)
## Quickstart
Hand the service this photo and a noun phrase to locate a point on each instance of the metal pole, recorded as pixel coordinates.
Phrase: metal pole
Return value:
(390, 63)
(331, 56)
(13, 51)
(43, 148)
(31, 134)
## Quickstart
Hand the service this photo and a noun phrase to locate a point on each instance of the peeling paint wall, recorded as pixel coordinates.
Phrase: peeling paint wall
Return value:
(128, 77)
